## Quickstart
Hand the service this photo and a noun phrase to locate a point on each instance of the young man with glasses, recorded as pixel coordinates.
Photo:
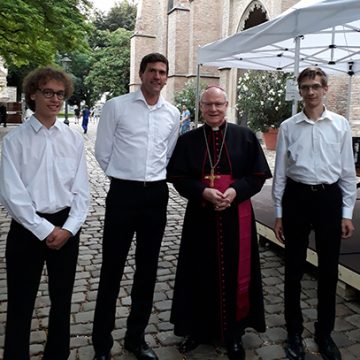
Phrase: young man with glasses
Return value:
(44, 188)
(314, 189)
(218, 293)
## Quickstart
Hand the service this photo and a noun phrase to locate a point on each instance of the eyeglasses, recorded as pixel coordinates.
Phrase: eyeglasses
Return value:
(209, 105)
(49, 93)
(314, 87)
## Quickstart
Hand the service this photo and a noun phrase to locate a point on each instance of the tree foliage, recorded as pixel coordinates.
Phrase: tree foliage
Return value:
(39, 32)
(187, 96)
(121, 15)
(80, 66)
(35, 31)
(110, 72)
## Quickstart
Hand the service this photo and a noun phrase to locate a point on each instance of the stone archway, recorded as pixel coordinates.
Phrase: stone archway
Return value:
(255, 14)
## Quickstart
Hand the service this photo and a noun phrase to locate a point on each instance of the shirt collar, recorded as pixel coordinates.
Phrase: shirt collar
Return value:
(325, 115)
(37, 125)
(138, 95)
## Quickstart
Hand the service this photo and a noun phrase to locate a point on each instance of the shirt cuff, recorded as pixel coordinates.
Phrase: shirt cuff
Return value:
(71, 225)
(347, 213)
(43, 230)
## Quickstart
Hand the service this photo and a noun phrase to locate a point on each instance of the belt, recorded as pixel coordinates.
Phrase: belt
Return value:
(137, 184)
(313, 188)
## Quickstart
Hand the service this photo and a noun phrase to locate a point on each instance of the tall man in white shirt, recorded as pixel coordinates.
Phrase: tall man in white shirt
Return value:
(44, 187)
(136, 136)
(314, 189)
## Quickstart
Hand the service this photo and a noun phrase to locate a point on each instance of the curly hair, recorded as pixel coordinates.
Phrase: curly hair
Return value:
(41, 76)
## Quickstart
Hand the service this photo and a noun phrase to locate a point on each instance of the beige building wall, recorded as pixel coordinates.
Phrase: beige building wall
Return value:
(3, 83)
(3, 74)
(177, 28)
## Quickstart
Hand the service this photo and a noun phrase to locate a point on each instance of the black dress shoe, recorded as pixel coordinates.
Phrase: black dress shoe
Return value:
(102, 357)
(235, 350)
(327, 347)
(140, 349)
(189, 343)
(294, 347)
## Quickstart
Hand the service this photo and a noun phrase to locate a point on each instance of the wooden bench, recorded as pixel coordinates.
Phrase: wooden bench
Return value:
(349, 262)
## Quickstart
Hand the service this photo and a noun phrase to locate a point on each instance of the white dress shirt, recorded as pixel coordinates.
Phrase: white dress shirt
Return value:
(44, 170)
(316, 152)
(134, 140)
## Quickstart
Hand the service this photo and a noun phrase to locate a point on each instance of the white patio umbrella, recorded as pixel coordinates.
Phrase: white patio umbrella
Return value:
(312, 32)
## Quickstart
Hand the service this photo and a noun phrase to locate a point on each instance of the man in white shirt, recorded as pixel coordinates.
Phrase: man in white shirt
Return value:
(44, 187)
(136, 136)
(314, 189)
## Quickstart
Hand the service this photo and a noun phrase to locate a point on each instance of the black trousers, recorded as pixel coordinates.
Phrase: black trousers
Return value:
(305, 210)
(25, 258)
(131, 208)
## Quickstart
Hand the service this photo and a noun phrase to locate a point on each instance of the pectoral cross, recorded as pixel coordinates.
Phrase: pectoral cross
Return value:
(211, 177)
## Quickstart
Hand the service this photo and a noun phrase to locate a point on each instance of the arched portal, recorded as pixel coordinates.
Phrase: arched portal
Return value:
(253, 15)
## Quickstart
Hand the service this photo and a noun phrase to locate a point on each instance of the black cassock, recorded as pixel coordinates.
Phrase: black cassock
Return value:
(206, 299)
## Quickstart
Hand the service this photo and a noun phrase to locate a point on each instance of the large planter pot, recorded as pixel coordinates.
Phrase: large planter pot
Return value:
(270, 138)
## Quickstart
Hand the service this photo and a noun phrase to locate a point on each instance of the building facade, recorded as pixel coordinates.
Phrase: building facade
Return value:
(3, 83)
(176, 28)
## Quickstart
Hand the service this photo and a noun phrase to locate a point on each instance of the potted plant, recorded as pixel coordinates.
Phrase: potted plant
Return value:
(261, 98)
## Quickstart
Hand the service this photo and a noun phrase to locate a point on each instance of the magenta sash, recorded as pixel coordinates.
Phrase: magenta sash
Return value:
(244, 265)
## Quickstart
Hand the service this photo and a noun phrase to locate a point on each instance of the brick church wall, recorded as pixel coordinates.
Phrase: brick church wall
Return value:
(177, 27)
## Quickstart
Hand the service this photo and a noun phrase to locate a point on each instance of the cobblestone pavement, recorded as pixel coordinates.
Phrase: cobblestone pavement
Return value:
(266, 346)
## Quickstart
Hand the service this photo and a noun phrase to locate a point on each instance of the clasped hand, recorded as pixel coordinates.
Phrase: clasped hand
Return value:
(221, 201)
(57, 238)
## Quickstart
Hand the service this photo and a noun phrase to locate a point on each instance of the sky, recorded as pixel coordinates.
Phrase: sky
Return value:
(104, 5)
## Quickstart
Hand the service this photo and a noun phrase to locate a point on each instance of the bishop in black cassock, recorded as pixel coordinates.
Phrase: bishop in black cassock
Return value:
(218, 168)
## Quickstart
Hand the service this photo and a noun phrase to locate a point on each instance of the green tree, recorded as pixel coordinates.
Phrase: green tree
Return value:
(80, 66)
(110, 72)
(121, 15)
(35, 31)
(187, 96)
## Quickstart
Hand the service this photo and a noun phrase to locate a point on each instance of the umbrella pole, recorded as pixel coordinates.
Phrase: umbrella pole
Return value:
(197, 96)
(349, 98)
(296, 71)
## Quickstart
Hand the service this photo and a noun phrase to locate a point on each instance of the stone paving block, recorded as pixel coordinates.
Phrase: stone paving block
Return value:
(354, 320)
(275, 335)
(275, 320)
(343, 325)
(163, 305)
(84, 317)
(81, 329)
(79, 341)
(310, 314)
(35, 349)
(37, 337)
(271, 352)
(274, 309)
(165, 326)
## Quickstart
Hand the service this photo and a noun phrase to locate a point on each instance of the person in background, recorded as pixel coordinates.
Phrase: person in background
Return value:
(44, 188)
(218, 293)
(85, 119)
(185, 120)
(314, 189)
(77, 114)
(136, 136)
(3, 114)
